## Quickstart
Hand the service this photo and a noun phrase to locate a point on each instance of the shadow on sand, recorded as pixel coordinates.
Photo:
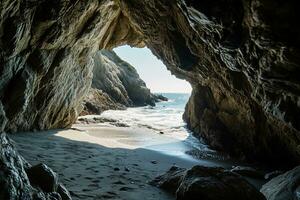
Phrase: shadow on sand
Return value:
(93, 171)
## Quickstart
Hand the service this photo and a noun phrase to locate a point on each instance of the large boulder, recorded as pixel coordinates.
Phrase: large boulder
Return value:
(207, 183)
(19, 180)
(43, 177)
(283, 187)
(248, 172)
(97, 102)
(120, 80)
(116, 85)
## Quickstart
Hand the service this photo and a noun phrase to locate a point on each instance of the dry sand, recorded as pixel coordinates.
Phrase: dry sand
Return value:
(96, 162)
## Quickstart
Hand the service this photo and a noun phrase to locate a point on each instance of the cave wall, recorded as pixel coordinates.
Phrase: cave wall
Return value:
(46, 64)
(241, 57)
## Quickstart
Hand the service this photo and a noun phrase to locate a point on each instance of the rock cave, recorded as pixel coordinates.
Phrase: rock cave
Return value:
(240, 57)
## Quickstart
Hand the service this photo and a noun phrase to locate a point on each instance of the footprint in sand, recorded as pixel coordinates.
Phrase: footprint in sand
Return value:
(108, 195)
(86, 190)
(94, 185)
(118, 183)
(126, 189)
(96, 181)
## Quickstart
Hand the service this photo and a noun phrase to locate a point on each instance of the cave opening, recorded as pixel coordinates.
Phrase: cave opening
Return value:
(152, 70)
(132, 90)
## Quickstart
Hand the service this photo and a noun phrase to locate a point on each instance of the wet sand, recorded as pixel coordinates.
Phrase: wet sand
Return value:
(96, 162)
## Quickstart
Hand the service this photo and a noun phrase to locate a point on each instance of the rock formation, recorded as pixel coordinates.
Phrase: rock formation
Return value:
(118, 84)
(241, 57)
(120, 80)
(98, 101)
(285, 186)
(19, 180)
(243, 65)
(206, 183)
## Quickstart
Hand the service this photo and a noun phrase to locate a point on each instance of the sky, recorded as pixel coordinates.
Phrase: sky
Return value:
(152, 70)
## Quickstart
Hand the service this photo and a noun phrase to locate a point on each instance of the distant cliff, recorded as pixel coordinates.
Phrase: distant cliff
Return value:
(115, 85)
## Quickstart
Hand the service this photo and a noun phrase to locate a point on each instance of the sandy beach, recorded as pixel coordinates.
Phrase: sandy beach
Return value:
(96, 162)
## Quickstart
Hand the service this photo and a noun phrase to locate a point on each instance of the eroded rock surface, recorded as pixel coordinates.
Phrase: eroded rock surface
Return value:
(98, 101)
(19, 180)
(14, 182)
(283, 187)
(120, 80)
(116, 85)
(206, 183)
(241, 57)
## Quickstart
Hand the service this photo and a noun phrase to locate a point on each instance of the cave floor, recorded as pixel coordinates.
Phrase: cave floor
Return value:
(96, 162)
(98, 167)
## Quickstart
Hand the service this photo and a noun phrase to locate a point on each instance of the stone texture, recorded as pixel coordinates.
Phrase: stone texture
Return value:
(18, 180)
(116, 85)
(43, 177)
(207, 184)
(63, 192)
(283, 187)
(243, 67)
(170, 181)
(14, 182)
(46, 58)
(248, 172)
(241, 56)
(98, 101)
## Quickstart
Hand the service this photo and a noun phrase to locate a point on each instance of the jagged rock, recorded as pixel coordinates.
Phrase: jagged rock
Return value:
(171, 180)
(18, 180)
(240, 59)
(160, 97)
(14, 182)
(116, 85)
(63, 192)
(93, 120)
(53, 196)
(96, 120)
(120, 80)
(43, 177)
(97, 101)
(206, 183)
(273, 174)
(248, 171)
(283, 187)
(39, 196)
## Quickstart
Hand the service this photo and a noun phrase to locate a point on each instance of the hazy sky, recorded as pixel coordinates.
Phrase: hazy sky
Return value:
(152, 70)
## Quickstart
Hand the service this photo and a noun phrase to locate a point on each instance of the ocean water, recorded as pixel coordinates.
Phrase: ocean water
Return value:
(166, 119)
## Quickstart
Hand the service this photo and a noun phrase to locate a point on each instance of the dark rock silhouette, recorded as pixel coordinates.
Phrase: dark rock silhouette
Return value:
(206, 183)
(285, 186)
